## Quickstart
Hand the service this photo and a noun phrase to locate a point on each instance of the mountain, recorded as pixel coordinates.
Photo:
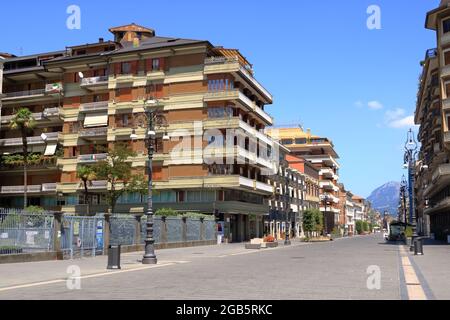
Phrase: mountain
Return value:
(386, 197)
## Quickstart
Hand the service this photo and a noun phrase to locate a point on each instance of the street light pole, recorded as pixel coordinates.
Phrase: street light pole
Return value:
(153, 118)
(286, 209)
(149, 255)
(410, 156)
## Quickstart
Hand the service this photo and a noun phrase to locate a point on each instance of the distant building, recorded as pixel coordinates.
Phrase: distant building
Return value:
(321, 153)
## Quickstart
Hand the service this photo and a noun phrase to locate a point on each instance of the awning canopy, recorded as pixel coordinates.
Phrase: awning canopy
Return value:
(96, 120)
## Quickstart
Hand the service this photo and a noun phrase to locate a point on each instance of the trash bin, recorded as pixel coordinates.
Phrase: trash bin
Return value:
(114, 257)
(418, 246)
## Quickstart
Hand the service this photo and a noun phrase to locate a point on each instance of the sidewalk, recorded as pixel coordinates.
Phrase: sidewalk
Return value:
(32, 272)
(434, 267)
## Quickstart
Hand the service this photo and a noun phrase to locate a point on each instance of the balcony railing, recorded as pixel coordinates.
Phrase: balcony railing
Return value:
(97, 184)
(20, 189)
(49, 187)
(94, 80)
(93, 132)
(48, 112)
(25, 93)
(94, 106)
(51, 136)
(89, 158)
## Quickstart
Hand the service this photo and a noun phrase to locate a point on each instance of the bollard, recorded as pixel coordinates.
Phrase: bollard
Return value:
(114, 257)
(418, 247)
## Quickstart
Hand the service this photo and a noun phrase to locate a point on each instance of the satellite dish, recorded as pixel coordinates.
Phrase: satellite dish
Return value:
(81, 75)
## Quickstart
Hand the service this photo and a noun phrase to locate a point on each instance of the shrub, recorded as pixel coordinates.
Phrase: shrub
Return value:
(269, 238)
(167, 212)
(365, 226)
(197, 215)
(358, 226)
(34, 209)
(10, 250)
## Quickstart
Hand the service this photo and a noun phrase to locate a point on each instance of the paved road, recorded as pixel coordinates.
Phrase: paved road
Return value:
(331, 270)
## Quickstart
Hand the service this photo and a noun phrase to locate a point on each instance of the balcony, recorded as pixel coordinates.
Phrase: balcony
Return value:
(97, 185)
(93, 133)
(49, 187)
(323, 159)
(232, 65)
(236, 95)
(92, 158)
(447, 137)
(328, 185)
(327, 173)
(95, 83)
(20, 189)
(445, 71)
(446, 104)
(51, 137)
(94, 106)
(50, 90)
(38, 116)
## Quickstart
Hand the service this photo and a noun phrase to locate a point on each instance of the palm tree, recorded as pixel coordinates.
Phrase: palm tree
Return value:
(87, 175)
(24, 122)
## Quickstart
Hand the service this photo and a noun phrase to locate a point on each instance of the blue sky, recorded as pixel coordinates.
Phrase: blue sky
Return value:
(325, 68)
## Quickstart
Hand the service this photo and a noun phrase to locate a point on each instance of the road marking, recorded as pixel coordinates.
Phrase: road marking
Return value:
(414, 287)
(95, 275)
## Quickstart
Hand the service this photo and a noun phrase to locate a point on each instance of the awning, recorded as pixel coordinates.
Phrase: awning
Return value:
(50, 150)
(95, 120)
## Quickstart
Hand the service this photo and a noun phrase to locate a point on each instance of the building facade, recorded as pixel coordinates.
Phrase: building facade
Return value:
(88, 98)
(432, 185)
(321, 153)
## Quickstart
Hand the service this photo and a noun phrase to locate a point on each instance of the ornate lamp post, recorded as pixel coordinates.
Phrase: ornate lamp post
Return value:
(155, 119)
(287, 206)
(326, 199)
(403, 186)
(410, 159)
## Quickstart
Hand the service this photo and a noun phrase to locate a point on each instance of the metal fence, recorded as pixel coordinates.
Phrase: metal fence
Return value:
(81, 236)
(22, 232)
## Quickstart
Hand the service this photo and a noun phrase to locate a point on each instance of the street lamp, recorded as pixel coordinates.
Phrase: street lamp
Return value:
(287, 206)
(403, 186)
(155, 119)
(326, 198)
(409, 160)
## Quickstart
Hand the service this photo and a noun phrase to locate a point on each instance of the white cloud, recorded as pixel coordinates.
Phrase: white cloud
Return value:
(398, 119)
(375, 105)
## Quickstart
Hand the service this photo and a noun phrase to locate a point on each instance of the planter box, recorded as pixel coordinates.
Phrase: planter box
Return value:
(271, 244)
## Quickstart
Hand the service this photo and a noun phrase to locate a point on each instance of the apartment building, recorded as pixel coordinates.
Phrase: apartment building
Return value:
(311, 177)
(359, 205)
(347, 215)
(288, 201)
(89, 97)
(433, 115)
(321, 153)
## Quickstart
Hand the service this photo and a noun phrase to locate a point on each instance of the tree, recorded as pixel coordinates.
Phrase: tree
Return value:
(117, 171)
(86, 174)
(312, 221)
(359, 226)
(24, 122)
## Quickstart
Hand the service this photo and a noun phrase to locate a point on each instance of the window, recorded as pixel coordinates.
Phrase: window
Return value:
(155, 64)
(286, 141)
(126, 68)
(300, 141)
(446, 25)
(221, 112)
(124, 120)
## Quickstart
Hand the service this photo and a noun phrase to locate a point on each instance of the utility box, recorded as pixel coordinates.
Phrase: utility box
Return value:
(114, 257)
